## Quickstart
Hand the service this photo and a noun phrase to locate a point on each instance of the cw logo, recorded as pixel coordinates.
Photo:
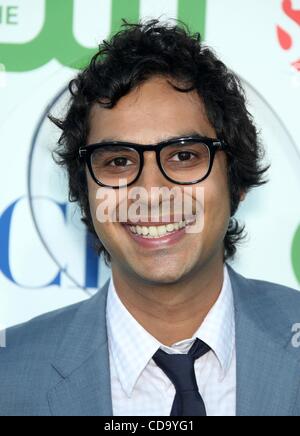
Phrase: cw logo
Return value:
(91, 260)
(56, 39)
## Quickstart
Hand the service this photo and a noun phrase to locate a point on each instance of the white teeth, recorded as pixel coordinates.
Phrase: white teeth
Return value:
(139, 230)
(157, 231)
(170, 227)
(153, 231)
(161, 230)
(145, 231)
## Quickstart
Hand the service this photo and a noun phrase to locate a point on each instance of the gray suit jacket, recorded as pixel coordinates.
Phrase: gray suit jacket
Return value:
(58, 364)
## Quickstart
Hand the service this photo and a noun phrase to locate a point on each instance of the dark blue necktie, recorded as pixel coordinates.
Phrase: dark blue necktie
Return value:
(181, 371)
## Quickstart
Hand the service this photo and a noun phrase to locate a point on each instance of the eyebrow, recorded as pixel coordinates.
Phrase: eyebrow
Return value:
(162, 139)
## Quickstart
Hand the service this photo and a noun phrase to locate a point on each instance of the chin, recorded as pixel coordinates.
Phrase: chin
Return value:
(161, 280)
(161, 275)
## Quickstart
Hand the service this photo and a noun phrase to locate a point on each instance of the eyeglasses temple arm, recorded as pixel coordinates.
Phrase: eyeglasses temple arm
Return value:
(82, 153)
(221, 145)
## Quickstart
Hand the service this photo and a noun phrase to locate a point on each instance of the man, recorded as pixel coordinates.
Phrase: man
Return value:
(176, 331)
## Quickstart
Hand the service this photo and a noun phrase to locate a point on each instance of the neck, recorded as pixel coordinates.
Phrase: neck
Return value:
(166, 311)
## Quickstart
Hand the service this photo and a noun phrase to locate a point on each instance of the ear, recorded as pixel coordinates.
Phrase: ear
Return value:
(243, 196)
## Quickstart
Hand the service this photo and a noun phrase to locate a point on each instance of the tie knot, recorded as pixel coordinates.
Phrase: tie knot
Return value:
(198, 349)
(179, 368)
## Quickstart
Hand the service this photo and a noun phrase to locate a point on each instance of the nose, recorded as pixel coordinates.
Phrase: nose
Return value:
(151, 175)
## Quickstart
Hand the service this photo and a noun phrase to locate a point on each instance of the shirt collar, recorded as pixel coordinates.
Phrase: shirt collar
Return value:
(132, 347)
(218, 328)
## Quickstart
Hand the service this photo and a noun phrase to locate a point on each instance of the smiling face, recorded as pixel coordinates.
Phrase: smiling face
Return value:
(151, 113)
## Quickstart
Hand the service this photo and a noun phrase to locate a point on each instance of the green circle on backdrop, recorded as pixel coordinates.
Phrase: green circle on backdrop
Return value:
(296, 254)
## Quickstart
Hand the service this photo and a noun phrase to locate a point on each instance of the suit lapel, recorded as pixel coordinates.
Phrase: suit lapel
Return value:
(82, 364)
(268, 367)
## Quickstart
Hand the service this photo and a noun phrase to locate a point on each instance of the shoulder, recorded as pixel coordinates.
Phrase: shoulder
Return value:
(38, 339)
(43, 330)
(26, 371)
(288, 299)
(266, 297)
(46, 331)
(31, 346)
(27, 363)
(283, 302)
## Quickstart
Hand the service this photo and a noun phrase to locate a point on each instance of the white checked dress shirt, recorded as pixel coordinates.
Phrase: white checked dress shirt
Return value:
(140, 387)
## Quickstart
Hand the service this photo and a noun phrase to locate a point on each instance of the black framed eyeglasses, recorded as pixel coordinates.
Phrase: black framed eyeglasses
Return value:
(183, 161)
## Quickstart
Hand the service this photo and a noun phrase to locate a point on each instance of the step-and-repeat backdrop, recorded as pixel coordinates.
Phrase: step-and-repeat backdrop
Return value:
(46, 260)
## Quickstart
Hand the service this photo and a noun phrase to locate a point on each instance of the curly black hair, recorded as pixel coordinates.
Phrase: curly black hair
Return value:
(136, 53)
